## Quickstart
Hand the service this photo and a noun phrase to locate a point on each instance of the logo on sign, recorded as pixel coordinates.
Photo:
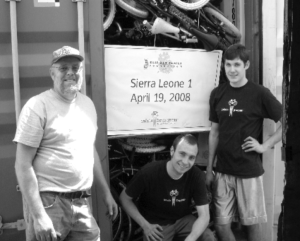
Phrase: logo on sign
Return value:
(163, 63)
(154, 116)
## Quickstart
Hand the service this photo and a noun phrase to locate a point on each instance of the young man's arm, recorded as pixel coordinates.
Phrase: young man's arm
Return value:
(213, 141)
(101, 182)
(27, 180)
(252, 144)
(200, 224)
(151, 231)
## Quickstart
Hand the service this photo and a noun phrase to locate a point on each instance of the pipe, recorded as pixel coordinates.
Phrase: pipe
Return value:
(81, 41)
(15, 58)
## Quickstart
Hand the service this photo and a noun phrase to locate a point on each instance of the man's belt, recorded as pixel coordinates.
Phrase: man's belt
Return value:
(71, 195)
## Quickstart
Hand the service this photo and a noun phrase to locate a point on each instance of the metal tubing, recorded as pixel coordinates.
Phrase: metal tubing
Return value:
(15, 58)
(81, 41)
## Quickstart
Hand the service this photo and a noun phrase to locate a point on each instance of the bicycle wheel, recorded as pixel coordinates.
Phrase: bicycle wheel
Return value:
(190, 4)
(117, 225)
(118, 221)
(120, 177)
(133, 8)
(118, 181)
(218, 19)
(109, 11)
(125, 234)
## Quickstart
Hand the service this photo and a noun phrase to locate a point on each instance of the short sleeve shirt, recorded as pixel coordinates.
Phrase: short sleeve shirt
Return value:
(64, 134)
(240, 113)
(163, 200)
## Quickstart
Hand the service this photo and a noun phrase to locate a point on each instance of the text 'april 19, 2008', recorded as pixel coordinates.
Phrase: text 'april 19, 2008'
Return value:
(161, 96)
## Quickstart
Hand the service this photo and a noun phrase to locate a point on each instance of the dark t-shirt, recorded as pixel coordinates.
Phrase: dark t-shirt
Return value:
(163, 200)
(240, 113)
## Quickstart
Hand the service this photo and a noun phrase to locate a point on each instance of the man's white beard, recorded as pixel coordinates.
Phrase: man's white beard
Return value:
(72, 87)
(75, 87)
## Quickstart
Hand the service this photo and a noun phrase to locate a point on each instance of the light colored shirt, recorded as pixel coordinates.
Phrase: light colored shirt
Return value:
(64, 133)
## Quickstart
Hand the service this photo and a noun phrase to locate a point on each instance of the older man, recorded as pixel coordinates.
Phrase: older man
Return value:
(56, 157)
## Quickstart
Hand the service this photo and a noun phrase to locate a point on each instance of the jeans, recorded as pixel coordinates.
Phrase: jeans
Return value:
(182, 228)
(72, 219)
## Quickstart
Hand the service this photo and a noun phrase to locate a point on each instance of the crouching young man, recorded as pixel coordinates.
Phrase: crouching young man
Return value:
(165, 191)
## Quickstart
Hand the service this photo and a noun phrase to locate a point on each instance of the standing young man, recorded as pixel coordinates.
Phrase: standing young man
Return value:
(237, 110)
(165, 190)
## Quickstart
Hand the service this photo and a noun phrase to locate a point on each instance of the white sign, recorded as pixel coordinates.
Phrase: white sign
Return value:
(152, 89)
(46, 3)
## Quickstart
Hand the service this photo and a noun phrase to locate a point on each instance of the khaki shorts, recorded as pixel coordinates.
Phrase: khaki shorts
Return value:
(238, 199)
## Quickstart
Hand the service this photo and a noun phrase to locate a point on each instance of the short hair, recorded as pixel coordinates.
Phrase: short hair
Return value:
(236, 51)
(187, 137)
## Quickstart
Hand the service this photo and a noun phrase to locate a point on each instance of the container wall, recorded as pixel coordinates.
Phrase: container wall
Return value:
(272, 79)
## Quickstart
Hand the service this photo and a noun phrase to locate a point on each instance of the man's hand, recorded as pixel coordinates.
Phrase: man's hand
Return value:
(209, 179)
(153, 232)
(252, 144)
(111, 206)
(44, 230)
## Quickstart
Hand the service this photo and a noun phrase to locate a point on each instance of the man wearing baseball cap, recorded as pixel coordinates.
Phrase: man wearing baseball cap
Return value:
(56, 160)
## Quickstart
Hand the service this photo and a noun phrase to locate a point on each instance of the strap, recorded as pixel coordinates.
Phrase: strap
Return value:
(19, 225)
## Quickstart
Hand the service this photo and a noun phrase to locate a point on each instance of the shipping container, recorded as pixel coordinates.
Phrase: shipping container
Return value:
(31, 30)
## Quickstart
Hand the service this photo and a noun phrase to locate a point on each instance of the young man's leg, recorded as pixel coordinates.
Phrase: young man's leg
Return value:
(184, 226)
(207, 235)
(254, 232)
(224, 232)
(225, 206)
(168, 233)
(251, 205)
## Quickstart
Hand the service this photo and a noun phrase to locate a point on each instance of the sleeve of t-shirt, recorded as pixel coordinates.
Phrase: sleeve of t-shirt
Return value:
(136, 185)
(30, 124)
(199, 192)
(212, 111)
(272, 108)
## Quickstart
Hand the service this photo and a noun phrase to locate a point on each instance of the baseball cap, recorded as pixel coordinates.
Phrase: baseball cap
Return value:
(65, 51)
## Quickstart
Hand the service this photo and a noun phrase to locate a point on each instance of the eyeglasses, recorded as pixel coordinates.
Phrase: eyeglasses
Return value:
(65, 69)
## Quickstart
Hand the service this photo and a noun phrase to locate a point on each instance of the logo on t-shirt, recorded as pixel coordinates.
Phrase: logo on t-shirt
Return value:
(174, 194)
(232, 103)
